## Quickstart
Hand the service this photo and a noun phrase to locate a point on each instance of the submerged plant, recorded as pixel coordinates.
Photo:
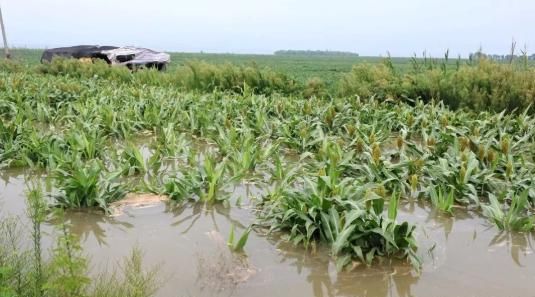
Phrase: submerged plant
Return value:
(442, 199)
(355, 229)
(237, 246)
(516, 217)
(169, 143)
(250, 153)
(86, 184)
(204, 182)
(132, 160)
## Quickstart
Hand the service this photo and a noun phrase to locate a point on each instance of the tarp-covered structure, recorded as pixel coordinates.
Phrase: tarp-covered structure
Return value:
(132, 57)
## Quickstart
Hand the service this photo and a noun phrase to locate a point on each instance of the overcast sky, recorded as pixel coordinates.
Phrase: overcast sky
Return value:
(369, 27)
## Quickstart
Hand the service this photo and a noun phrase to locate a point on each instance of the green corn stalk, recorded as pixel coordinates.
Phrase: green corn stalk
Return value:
(242, 241)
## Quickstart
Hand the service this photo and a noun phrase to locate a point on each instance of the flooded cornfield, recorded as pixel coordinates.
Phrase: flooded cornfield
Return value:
(462, 255)
(140, 190)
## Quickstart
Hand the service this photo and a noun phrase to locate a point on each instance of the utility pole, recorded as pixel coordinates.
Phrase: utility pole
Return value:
(6, 49)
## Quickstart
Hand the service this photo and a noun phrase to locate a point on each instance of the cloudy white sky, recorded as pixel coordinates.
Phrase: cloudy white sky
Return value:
(369, 27)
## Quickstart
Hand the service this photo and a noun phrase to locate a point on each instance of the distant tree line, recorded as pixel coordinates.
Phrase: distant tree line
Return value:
(480, 55)
(315, 53)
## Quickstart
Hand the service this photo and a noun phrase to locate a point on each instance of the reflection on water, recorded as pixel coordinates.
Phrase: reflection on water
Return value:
(394, 278)
(220, 270)
(12, 190)
(186, 215)
(94, 224)
(463, 255)
(519, 245)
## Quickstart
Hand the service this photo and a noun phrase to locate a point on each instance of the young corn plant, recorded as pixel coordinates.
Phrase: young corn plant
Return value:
(204, 183)
(169, 143)
(341, 213)
(212, 175)
(245, 157)
(367, 236)
(182, 187)
(282, 175)
(83, 184)
(442, 199)
(513, 217)
(462, 174)
(86, 144)
(132, 161)
(237, 246)
(227, 140)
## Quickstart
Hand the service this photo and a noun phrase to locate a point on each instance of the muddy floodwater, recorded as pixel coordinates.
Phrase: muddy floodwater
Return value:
(462, 256)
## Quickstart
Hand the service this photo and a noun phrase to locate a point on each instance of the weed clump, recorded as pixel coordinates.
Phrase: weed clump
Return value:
(64, 273)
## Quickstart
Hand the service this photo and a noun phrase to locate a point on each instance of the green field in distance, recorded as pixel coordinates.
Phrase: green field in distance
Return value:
(300, 67)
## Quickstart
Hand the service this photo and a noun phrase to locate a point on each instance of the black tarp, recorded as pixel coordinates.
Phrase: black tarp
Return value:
(77, 52)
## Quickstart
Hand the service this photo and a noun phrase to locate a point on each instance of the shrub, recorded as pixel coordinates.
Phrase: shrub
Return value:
(315, 87)
(368, 80)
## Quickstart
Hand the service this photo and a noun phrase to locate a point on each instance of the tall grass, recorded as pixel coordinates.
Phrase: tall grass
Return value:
(484, 85)
(479, 85)
(193, 75)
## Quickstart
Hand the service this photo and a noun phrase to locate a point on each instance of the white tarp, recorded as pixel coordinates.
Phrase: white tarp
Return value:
(135, 56)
